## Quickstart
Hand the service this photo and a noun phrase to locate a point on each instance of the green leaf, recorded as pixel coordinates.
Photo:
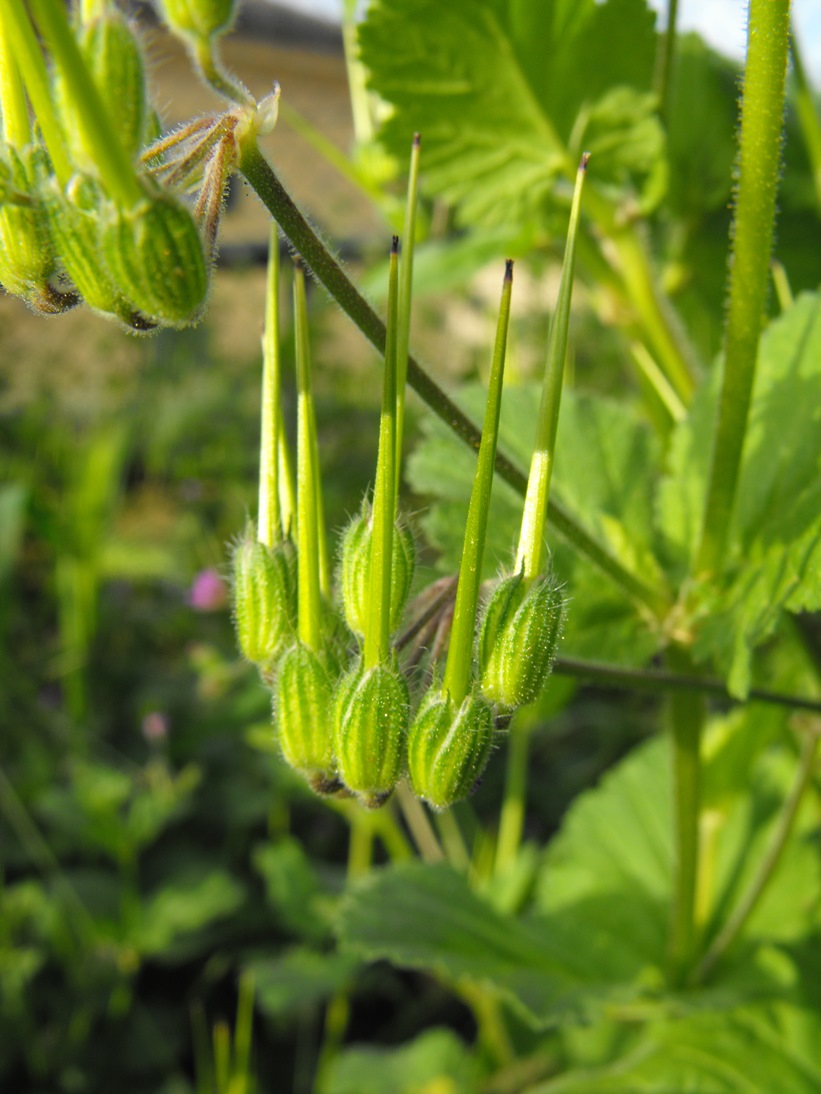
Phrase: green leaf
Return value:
(293, 888)
(437, 1062)
(287, 986)
(775, 551)
(776, 1048)
(184, 906)
(496, 90)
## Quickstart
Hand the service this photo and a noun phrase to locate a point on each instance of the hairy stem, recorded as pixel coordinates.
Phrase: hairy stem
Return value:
(762, 115)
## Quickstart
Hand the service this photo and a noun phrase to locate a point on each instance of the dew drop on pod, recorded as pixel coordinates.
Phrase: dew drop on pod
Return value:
(113, 57)
(518, 638)
(303, 702)
(264, 593)
(355, 571)
(155, 254)
(370, 723)
(28, 258)
(198, 18)
(448, 747)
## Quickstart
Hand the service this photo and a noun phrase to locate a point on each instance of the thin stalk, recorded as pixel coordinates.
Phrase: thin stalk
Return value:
(767, 867)
(781, 284)
(406, 297)
(337, 1015)
(113, 163)
(269, 528)
(511, 820)
(418, 824)
(261, 177)
(807, 112)
(362, 122)
(762, 114)
(287, 490)
(22, 44)
(204, 52)
(456, 680)
(377, 628)
(530, 555)
(687, 720)
(660, 681)
(243, 1035)
(665, 397)
(360, 844)
(14, 110)
(453, 842)
(308, 480)
(664, 59)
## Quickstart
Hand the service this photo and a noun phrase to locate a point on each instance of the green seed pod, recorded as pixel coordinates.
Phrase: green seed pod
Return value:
(303, 709)
(156, 256)
(264, 593)
(75, 224)
(198, 18)
(355, 571)
(518, 639)
(448, 747)
(370, 722)
(28, 258)
(113, 57)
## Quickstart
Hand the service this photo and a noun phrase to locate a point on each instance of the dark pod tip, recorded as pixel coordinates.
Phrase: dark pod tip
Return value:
(417, 139)
(395, 245)
(584, 161)
(509, 269)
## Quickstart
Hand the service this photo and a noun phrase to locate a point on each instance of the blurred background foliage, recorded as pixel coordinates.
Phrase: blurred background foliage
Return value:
(169, 887)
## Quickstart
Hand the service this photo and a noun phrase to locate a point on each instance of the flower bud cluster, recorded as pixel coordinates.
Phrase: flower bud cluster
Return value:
(90, 199)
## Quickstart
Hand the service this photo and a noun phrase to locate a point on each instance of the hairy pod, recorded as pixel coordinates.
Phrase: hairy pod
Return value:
(355, 571)
(156, 256)
(113, 57)
(264, 593)
(303, 709)
(518, 638)
(370, 723)
(448, 747)
(198, 18)
(28, 258)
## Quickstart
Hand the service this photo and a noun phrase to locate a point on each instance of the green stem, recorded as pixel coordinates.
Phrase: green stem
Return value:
(781, 284)
(243, 1035)
(511, 820)
(14, 111)
(204, 52)
(453, 842)
(531, 537)
(657, 680)
(687, 710)
(22, 44)
(762, 114)
(269, 529)
(378, 629)
(406, 297)
(664, 59)
(808, 118)
(456, 681)
(418, 824)
(327, 270)
(767, 867)
(113, 163)
(308, 480)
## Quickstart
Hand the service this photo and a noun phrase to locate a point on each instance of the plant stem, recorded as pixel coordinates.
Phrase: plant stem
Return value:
(762, 114)
(664, 59)
(406, 297)
(308, 479)
(22, 44)
(453, 842)
(269, 528)
(420, 827)
(511, 821)
(763, 875)
(113, 163)
(377, 630)
(658, 680)
(687, 711)
(327, 270)
(530, 554)
(14, 111)
(456, 681)
(205, 56)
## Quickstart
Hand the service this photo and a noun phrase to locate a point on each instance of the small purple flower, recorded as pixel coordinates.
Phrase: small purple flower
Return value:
(155, 726)
(208, 592)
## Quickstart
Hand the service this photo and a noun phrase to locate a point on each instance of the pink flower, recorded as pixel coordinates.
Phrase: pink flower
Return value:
(208, 592)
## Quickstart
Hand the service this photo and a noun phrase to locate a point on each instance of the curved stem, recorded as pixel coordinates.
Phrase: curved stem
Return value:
(204, 53)
(762, 115)
(421, 830)
(327, 270)
(763, 875)
(511, 821)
